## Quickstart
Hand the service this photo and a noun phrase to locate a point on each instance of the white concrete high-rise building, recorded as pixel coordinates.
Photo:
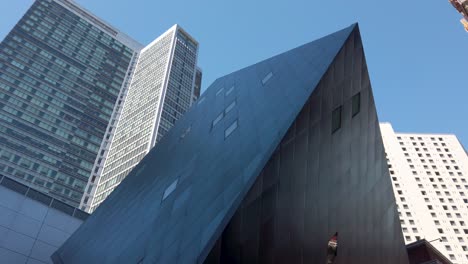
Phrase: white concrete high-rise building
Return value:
(160, 92)
(430, 180)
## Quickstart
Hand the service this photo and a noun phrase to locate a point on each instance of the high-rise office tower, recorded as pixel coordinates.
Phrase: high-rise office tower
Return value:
(429, 173)
(161, 90)
(62, 70)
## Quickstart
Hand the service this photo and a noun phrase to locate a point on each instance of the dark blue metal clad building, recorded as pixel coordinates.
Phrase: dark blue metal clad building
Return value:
(269, 164)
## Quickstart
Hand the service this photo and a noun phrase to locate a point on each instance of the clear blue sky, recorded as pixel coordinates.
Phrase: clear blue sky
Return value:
(417, 51)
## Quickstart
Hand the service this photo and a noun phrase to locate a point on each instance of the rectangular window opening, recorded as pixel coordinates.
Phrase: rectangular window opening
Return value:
(267, 78)
(201, 100)
(230, 107)
(170, 189)
(356, 104)
(218, 118)
(219, 91)
(228, 92)
(336, 119)
(230, 129)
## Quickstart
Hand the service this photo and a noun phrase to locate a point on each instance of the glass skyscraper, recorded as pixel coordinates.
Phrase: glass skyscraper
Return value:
(162, 88)
(62, 70)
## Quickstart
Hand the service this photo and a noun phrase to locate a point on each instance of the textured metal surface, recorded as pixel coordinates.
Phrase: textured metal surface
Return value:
(213, 173)
(317, 183)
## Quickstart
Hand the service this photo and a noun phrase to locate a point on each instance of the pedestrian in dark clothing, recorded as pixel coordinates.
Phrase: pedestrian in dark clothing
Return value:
(332, 249)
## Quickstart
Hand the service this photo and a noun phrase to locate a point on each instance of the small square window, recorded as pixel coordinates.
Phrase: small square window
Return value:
(336, 119)
(201, 100)
(267, 78)
(218, 118)
(230, 129)
(220, 91)
(170, 189)
(230, 107)
(356, 104)
(228, 92)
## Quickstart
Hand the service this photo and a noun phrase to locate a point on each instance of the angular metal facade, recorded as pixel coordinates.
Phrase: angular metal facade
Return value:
(319, 182)
(254, 174)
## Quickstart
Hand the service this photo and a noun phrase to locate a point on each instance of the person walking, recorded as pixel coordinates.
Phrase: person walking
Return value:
(332, 249)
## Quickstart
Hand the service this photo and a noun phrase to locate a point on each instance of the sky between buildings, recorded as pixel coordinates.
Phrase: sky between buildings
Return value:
(417, 51)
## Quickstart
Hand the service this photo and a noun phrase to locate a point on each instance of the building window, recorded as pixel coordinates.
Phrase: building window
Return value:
(201, 100)
(267, 78)
(228, 92)
(230, 107)
(217, 119)
(170, 189)
(356, 104)
(336, 119)
(230, 129)
(219, 91)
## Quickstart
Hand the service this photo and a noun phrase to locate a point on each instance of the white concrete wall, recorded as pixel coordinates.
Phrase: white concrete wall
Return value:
(437, 165)
(30, 231)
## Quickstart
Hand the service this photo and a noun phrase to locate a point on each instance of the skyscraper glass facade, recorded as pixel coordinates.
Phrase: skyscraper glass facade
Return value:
(61, 72)
(160, 92)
